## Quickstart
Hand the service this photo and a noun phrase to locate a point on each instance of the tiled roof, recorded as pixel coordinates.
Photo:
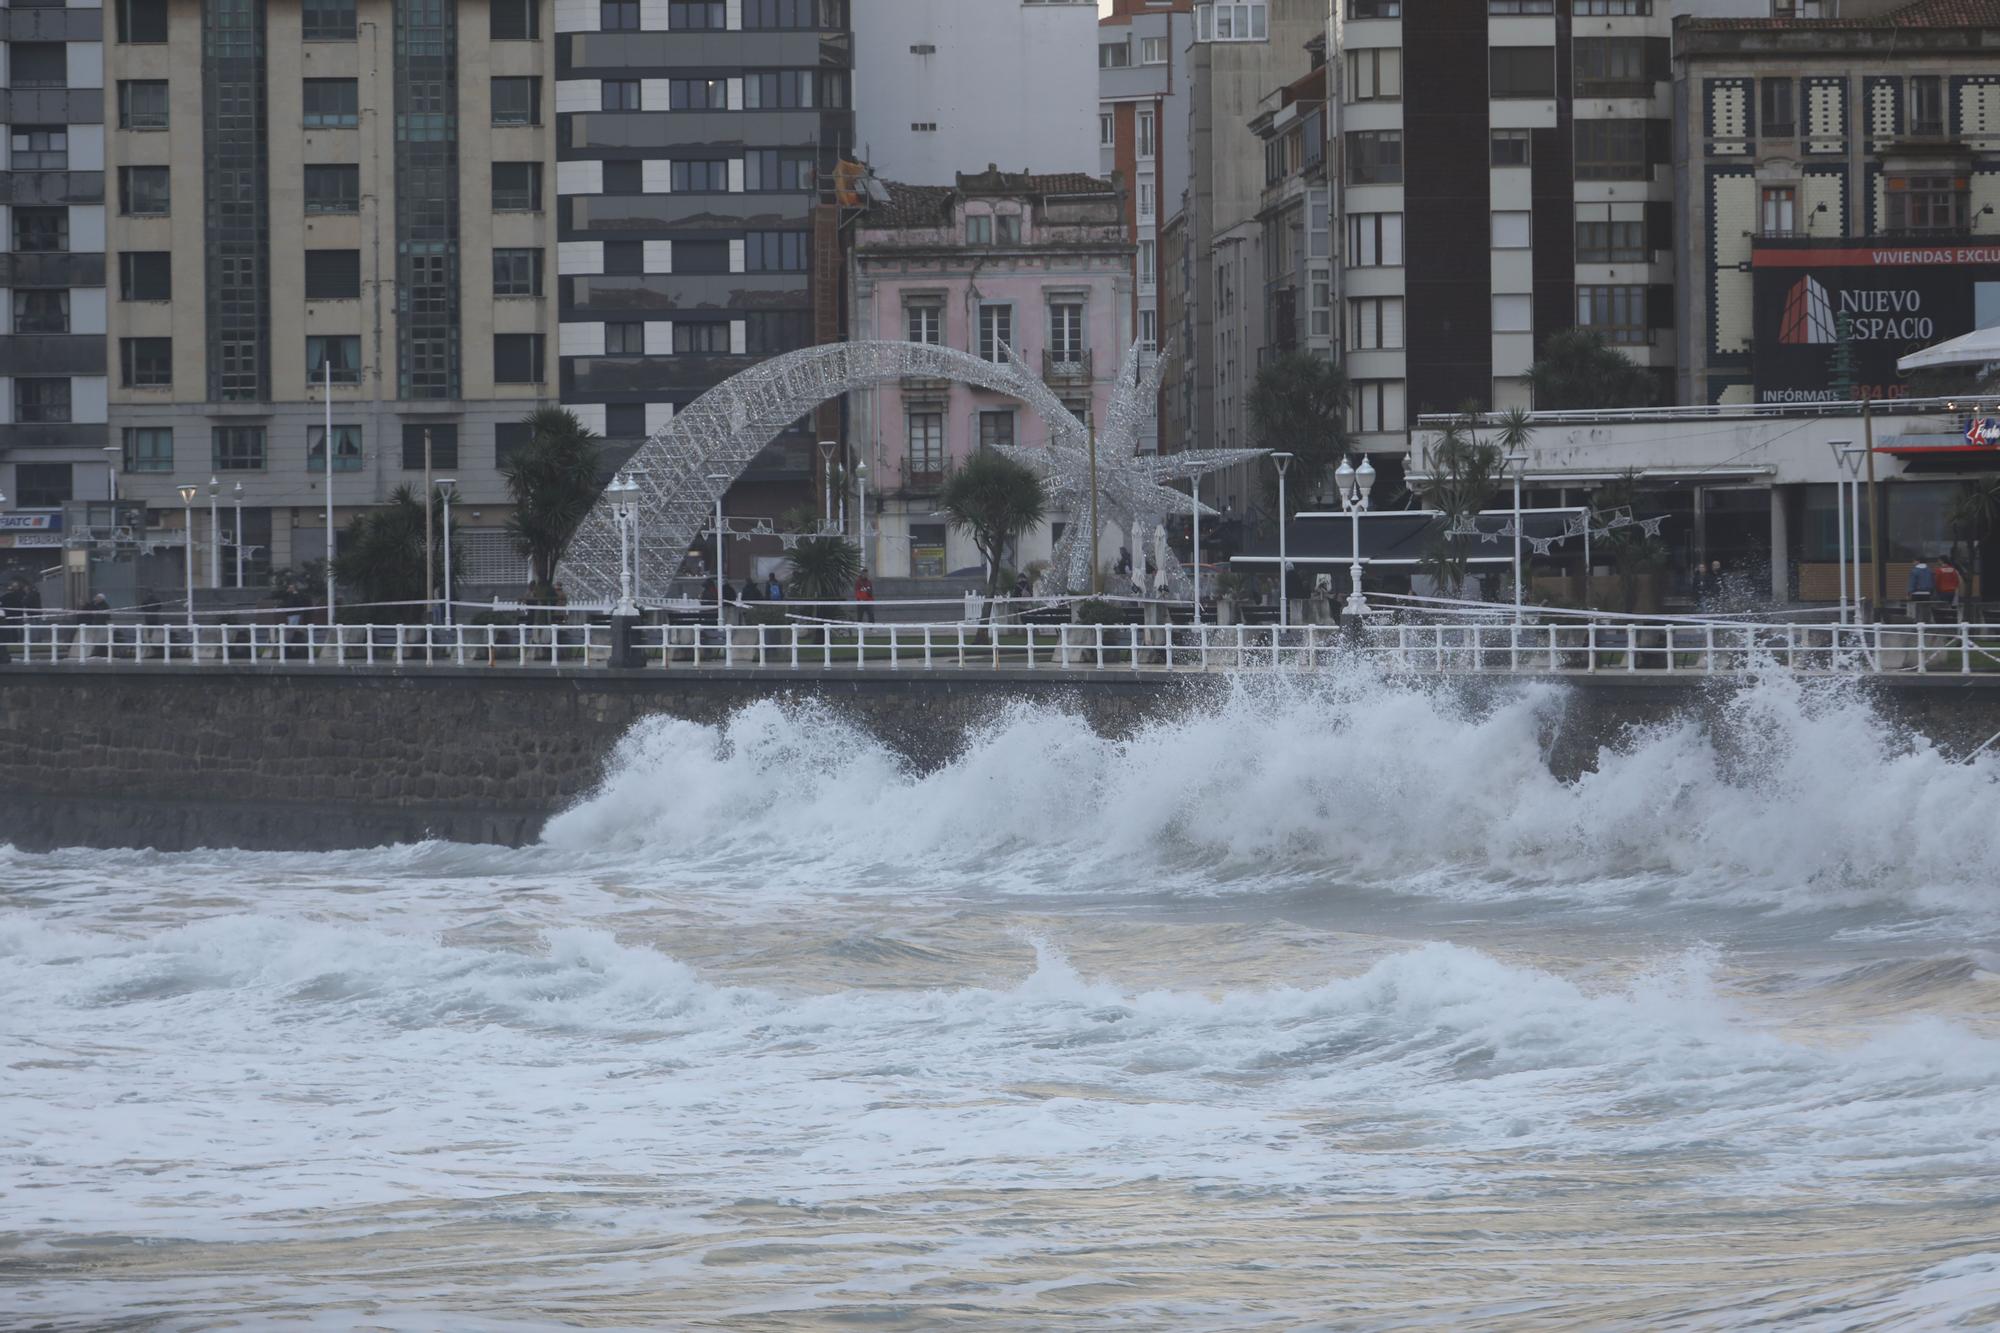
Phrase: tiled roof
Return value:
(1921, 14)
(994, 181)
(931, 205)
(913, 206)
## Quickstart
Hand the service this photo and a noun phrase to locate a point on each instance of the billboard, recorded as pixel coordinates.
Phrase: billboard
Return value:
(1831, 316)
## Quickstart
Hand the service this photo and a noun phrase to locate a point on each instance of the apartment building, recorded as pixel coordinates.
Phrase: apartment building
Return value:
(1038, 263)
(1841, 178)
(52, 354)
(695, 140)
(1297, 241)
(352, 191)
(951, 84)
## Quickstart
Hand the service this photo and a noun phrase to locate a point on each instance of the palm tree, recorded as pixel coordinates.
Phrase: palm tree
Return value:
(553, 482)
(384, 556)
(823, 569)
(1974, 517)
(1463, 471)
(994, 499)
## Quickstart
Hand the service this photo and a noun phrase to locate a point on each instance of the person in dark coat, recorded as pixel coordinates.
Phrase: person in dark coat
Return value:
(13, 618)
(95, 617)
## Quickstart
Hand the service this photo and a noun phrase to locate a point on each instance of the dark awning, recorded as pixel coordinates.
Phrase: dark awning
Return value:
(1944, 457)
(1399, 537)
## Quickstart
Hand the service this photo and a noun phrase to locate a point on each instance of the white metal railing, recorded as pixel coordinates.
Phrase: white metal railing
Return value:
(1588, 646)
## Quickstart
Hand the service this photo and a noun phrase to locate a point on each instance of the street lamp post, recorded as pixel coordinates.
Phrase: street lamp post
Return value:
(327, 440)
(861, 510)
(826, 448)
(238, 494)
(214, 533)
(1517, 461)
(113, 455)
(1283, 460)
(447, 487)
(1839, 448)
(623, 512)
(1354, 484)
(187, 522)
(721, 480)
(1194, 492)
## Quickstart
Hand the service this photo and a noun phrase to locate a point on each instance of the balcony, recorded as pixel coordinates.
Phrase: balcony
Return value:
(1066, 367)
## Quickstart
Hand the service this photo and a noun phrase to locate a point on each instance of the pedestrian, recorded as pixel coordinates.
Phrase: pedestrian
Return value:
(751, 590)
(1923, 586)
(1022, 588)
(774, 590)
(13, 618)
(864, 598)
(1949, 586)
(97, 612)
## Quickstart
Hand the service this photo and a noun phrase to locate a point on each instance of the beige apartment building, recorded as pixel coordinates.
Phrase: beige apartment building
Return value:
(351, 185)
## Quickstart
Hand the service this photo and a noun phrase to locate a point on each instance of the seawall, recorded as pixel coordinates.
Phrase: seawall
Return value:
(297, 757)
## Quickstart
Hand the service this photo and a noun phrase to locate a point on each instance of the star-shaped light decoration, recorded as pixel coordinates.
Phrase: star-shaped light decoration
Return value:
(1131, 490)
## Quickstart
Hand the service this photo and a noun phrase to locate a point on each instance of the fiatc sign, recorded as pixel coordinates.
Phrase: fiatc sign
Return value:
(1881, 300)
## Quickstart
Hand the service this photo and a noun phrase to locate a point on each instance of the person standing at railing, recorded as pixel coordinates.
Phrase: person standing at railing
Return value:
(13, 618)
(864, 598)
(1923, 586)
(1949, 587)
(96, 615)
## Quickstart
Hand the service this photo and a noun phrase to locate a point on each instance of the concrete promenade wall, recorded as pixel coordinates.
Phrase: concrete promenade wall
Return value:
(296, 757)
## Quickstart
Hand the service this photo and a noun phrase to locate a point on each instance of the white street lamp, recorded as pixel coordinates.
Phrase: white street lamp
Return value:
(327, 440)
(721, 480)
(1283, 461)
(214, 534)
(1353, 485)
(861, 510)
(826, 448)
(447, 487)
(1194, 493)
(623, 505)
(187, 522)
(114, 454)
(1518, 461)
(239, 535)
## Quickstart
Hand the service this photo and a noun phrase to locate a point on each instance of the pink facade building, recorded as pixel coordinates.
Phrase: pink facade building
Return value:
(1042, 264)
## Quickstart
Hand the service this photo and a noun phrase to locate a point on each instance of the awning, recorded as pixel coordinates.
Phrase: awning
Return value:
(1972, 349)
(1399, 537)
(1944, 457)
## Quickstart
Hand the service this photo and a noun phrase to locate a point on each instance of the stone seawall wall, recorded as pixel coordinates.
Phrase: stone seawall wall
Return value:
(304, 758)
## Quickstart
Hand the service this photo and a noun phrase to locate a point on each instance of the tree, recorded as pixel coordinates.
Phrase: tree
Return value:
(1579, 371)
(1632, 552)
(823, 569)
(1974, 517)
(1464, 470)
(552, 480)
(995, 500)
(1298, 404)
(384, 559)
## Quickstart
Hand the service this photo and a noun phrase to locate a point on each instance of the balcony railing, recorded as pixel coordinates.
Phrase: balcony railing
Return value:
(1067, 366)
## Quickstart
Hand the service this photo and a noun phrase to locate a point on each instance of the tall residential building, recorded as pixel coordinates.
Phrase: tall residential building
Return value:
(947, 83)
(358, 187)
(1143, 48)
(696, 140)
(1841, 188)
(1037, 263)
(52, 357)
(1242, 51)
(1297, 244)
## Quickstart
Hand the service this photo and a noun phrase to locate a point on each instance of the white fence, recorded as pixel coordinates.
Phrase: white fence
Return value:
(1590, 646)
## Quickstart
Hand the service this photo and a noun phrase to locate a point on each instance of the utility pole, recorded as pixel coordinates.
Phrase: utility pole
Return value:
(1874, 510)
(430, 571)
(1096, 579)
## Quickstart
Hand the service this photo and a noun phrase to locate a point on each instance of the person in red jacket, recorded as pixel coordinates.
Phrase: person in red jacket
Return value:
(1949, 586)
(864, 596)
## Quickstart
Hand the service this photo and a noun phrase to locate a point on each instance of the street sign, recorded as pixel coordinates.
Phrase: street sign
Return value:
(1983, 430)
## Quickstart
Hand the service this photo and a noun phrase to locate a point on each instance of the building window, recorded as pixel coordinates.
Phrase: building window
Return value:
(41, 230)
(927, 550)
(701, 338)
(1148, 199)
(698, 94)
(996, 331)
(1375, 240)
(1778, 210)
(1066, 333)
(923, 322)
(149, 449)
(143, 192)
(979, 229)
(1107, 130)
(1612, 67)
(333, 189)
(333, 275)
(327, 20)
(236, 448)
(41, 311)
(625, 421)
(1374, 9)
(513, 20)
(517, 358)
(517, 101)
(1376, 405)
(1612, 150)
(1618, 313)
(1927, 105)
(769, 332)
(796, 14)
(624, 176)
(39, 147)
(1375, 323)
(768, 169)
(1321, 309)
(39, 401)
(147, 363)
(620, 16)
(331, 104)
(618, 95)
(1145, 139)
(625, 258)
(695, 14)
(142, 21)
(1611, 8)
(1374, 157)
(1149, 331)
(44, 485)
(996, 428)
(700, 177)
(1224, 22)
(1777, 111)
(443, 440)
(142, 104)
(517, 187)
(926, 449)
(1148, 263)
(1007, 228)
(701, 256)
(1513, 8)
(517, 272)
(1606, 242)
(1513, 230)
(1375, 75)
(625, 339)
(1114, 55)
(1522, 71)
(774, 252)
(1928, 203)
(340, 350)
(778, 89)
(1513, 314)
(346, 448)
(1152, 50)
(39, 65)
(1510, 148)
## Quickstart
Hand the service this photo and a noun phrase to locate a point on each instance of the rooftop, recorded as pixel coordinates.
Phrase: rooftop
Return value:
(931, 205)
(1919, 14)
